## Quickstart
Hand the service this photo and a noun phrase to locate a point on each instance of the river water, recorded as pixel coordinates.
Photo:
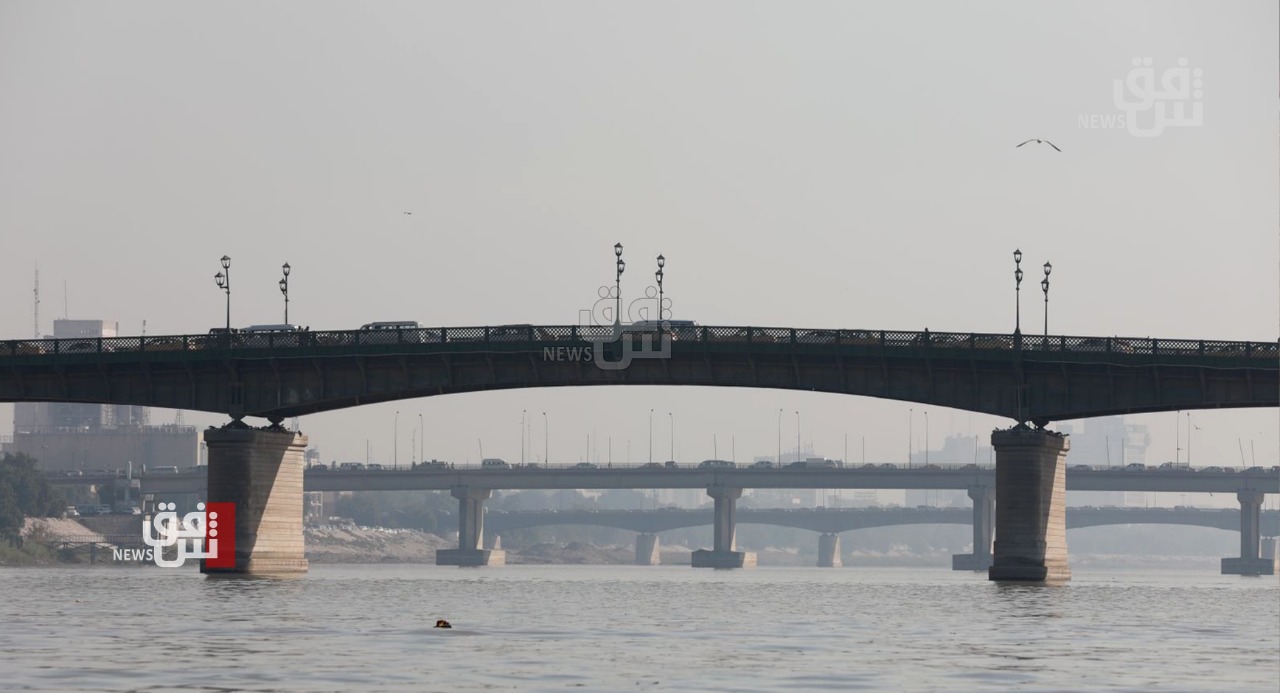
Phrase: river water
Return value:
(632, 628)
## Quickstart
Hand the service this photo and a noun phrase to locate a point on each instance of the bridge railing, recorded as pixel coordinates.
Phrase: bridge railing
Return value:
(536, 336)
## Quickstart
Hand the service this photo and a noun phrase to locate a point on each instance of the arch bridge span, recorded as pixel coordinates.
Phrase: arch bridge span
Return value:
(279, 375)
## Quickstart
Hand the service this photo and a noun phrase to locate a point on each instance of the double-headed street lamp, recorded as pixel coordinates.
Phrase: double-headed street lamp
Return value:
(1044, 284)
(1017, 292)
(223, 280)
(617, 284)
(284, 289)
(658, 275)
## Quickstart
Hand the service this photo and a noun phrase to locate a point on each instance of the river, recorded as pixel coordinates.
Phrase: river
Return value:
(633, 628)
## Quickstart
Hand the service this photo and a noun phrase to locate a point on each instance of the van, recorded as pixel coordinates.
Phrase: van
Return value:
(494, 463)
(351, 466)
(282, 334)
(396, 332)
(710, 464)
(687, 330)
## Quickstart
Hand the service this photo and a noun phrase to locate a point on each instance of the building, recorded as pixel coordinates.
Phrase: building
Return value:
(69, 436)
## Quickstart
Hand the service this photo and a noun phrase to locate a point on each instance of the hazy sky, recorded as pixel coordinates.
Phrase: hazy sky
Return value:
(819, 164)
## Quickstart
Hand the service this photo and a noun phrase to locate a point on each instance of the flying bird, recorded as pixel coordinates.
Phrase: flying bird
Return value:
(412, 212)
(1039, 141)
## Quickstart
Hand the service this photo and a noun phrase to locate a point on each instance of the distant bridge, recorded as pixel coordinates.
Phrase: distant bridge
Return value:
(280, 375)
(1183, 480)
(834, 521)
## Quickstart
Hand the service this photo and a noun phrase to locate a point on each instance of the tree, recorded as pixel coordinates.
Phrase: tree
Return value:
(24, 492)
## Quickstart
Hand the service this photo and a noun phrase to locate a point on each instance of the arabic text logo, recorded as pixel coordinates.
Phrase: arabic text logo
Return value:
(194, 535)
(615, 344)
(1148, 103)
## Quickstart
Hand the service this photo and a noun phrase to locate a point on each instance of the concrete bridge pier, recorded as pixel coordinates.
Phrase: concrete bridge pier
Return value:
(647, 549)
(829, 550)
(724, 554)
(984, 528)
(261, 472)
(1031, 517)
(1251, 560)
(471, 551)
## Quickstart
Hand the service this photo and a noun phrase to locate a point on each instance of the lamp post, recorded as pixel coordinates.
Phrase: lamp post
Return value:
(524, 414)
(395, 445)
(617, 284)
(422, 439)
(546, 444)
(779, 437)
(650, 436)
(1044, 284)
(1017, 292)
(223, 280)
(284, 289)
(911, 423)
(926, 437)
(658, 275)
(797, 434)
(673, 435)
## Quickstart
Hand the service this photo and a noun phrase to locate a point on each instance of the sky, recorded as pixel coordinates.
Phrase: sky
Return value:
(823, 164)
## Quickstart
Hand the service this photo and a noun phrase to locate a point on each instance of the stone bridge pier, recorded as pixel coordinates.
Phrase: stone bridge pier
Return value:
(471, 551)
(829, 550)
(260, 471)
(1031, 511)
(1251, 561)
(724, 553)
(984, 528)
(647, 549)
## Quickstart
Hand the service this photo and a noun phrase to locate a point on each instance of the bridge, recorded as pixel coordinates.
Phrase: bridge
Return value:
(472, 486)
(831, 522)
(277, 375)
(280, 375)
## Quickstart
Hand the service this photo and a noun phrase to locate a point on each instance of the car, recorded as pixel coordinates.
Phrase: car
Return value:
(1256, 470)
(888, 465)
(716, 464)
(817, 336)
(374, 466)
(974, 465)
(153, 470)
(511, 333)
(1078, 468)
(162, 344)
(318, 468)
(585, 465)
(1211, 470)
(71, 511)
(815, 463)
(351, 466)
(762, 464)
(494, 463)
(1135, 467)
(651, 465)
(670, 464)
